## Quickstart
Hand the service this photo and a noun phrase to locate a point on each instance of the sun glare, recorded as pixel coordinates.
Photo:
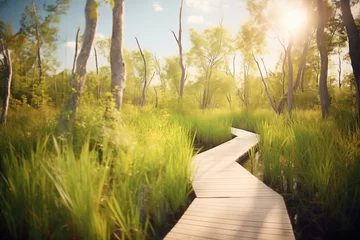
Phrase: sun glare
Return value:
(294, 20)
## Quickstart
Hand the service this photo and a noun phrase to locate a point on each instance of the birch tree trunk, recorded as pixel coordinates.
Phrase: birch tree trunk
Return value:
(354, 46)
(116, 54)
(323, 90)
(339, 69)
(79, 78)
(7, 82)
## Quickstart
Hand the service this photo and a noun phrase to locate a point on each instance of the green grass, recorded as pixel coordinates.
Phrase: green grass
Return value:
(128, 176)
(310, 159)
(210, 128)
(124, 184)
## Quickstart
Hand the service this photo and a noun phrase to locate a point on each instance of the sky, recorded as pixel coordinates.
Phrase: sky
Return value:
(148, 20)
(151, 21)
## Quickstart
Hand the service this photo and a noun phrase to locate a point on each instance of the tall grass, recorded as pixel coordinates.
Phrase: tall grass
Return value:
(126, 177)
(311, 159)
(210, 128)
(123, 187)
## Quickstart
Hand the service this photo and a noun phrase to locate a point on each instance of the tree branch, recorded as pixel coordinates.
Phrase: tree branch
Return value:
(76, 50)
(143, 100)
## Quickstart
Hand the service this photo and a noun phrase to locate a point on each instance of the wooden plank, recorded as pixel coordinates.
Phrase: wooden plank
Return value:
(254, 229)
(185, 236)
(230, 202)
(238, 222)
(226, 234)
(248, 217)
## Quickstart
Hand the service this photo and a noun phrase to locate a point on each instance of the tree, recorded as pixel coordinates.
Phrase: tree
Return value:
(172, 72)
(79, 78)
(116, 54)
(323, 90)
(143, 96)
(209, 48)
(159, 72)
(181, 60)
(146, 81)
(251, 42)
(354, 46)
(43, 30)
(8, 42)
(6, 64)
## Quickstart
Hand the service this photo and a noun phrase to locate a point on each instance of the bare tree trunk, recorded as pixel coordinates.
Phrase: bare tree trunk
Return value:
(38, 44)
(283, 65)
(98, 90)
(266, 71)
(96, 61)
(265, 86)
(181, 61)
(324, 94)
(143, 97)
(303, 78)
(76, 50)
(158, 72)
(7, 82)
(339, 69)
(229, 99)
(281, 104)
(79, 78)
(290, 76)
(242, 98)
(116, 54)
(156, 98)
(354, 47)
(204, 97)
(307, 41)
(302, 65)
(246, 87)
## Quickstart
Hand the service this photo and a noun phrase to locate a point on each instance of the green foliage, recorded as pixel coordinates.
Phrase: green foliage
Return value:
(133, 176)
(313, 160)
(210, 128)
(209, 50)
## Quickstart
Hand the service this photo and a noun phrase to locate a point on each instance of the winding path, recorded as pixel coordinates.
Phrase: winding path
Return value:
(230, 202)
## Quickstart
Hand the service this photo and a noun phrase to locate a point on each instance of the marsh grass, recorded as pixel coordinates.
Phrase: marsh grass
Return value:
(126, 177)
(312, 160)
(125, 186)
(210, 127)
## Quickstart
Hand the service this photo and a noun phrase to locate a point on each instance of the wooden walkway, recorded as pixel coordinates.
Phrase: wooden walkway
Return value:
(230, 202)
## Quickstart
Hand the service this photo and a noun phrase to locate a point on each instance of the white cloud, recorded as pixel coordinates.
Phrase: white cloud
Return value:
(98, 37)
(70, 44)
(157, 6)
(204, 5)
(196, 19)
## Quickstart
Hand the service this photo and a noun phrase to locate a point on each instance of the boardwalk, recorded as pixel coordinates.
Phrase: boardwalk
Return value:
(230, 202)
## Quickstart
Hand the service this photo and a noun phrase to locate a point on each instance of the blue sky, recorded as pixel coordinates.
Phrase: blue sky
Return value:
(148, 20)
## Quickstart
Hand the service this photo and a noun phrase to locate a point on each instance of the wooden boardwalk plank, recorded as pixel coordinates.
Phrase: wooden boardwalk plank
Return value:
(230, 202)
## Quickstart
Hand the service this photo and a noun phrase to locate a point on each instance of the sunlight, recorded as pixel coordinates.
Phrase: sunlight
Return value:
(294, 20)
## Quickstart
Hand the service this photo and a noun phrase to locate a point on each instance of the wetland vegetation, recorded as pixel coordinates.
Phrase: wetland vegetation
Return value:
(100, 146)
